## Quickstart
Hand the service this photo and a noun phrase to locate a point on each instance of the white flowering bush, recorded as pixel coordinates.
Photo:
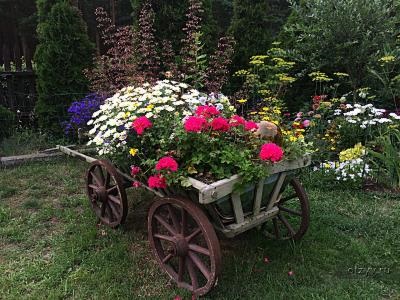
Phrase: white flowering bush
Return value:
(113, 121)
(366, 115)
(351, 166)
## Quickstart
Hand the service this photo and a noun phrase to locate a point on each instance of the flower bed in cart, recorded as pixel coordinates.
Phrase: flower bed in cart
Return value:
(166, 133)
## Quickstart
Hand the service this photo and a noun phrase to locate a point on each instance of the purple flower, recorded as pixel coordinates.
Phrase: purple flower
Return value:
(80, 112)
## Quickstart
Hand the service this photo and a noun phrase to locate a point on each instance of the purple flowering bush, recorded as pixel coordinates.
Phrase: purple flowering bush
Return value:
(80, 112)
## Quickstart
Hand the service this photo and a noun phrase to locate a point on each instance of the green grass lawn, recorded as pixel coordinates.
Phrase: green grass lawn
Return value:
(50, 246)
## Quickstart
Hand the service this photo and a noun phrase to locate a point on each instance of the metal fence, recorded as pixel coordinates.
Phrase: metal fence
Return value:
(18, 92)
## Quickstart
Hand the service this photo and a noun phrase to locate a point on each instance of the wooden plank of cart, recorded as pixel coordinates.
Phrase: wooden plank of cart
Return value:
(182, 223)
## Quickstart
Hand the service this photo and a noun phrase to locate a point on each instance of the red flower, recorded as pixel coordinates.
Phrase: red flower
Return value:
(136, 184)
(140, 124)
(250, 125)
(317, 99)
(271, 152)
(135, 170)
(195, 124)
(167, 163)
(237, 121)
(207, 111)
(157, 181)
(220, 124)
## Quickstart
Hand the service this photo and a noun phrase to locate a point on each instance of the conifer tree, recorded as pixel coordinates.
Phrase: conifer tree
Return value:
(64, 51)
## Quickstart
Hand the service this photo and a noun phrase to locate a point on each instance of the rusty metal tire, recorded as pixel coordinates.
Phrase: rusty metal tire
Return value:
(106, 193)
(184, 243)
(292, 221)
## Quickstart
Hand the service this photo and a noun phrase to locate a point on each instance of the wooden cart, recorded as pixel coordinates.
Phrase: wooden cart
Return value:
(182, 224)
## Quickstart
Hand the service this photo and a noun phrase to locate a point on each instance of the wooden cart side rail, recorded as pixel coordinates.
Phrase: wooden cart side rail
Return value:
(90, 159)
(209, 193)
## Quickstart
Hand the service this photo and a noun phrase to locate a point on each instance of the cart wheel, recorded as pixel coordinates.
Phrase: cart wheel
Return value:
(106, 193)
(294, 213)
(184, 243)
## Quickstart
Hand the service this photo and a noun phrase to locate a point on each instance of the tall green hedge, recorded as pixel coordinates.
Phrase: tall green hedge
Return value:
(254, 25)
(64, 51)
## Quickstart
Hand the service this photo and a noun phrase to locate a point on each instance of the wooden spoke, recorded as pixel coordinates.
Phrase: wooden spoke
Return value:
(276, 228)
(114, 199)
(97, 179)
(199, 264)
(290, 211)
(93, 186)
(115, 187)
(110, 212)
(193, 234)
(174, 218)
(184, 221)
(113, 209)
(283, 200)
(100, 172)
(199, 249)
(164, 237)
(167, 258)
(287, 225)
(165, 224)
(292, 221)
(108, 177)
(103, 209)
(181, 268)
(192, 273)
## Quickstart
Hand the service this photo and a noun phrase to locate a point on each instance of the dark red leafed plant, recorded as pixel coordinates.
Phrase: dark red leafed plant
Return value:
(148, 59)
(168, 59)
(117, 67)
(191, 45)
(218, 70)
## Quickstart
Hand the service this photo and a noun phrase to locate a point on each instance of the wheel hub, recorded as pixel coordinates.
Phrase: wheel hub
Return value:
(101, 194)
(181, 247)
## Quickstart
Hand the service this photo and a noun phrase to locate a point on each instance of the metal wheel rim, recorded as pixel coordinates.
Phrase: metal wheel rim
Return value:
(106, 193)
(281, 219)
(190, 263)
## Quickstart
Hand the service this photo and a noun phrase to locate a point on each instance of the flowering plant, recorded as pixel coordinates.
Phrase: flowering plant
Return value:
(80, 112)
(168, 132)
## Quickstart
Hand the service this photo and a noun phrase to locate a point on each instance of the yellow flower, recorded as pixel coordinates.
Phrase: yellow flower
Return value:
(292, 138)
(387, 59)
(327, 166)
(242, 101)
(277, 111)
(127, 114)
(262, 113)
(333, 148)
(133, 151)
(149, 107)
(265, 108)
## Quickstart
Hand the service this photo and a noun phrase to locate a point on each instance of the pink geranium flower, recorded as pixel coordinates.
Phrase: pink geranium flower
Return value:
(250, 125)
(167, 163)
(207, 111)
(195, 124)
(271, 152)
(157, 181)
(136, 184)
(220, 124)
(140, 124)
(135, 170)
(237, 121)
